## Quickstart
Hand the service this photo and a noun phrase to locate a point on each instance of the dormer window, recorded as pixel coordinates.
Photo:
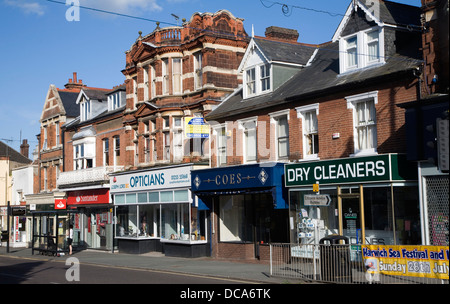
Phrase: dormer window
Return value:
(361, 50)
(257, 80)
(85, 110)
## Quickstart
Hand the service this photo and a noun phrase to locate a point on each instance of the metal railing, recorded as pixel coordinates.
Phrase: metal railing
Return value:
(341, 264)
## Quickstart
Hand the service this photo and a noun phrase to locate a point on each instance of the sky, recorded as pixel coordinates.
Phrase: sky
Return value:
(42, 42)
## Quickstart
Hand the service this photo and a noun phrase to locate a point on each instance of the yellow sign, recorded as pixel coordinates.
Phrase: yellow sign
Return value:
(315, 187)
(416, 261)
(196, 127)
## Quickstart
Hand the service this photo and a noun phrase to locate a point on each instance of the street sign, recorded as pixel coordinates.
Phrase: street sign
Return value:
(317, 200)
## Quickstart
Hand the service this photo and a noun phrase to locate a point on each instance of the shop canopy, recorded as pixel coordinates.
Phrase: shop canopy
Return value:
(243, 179)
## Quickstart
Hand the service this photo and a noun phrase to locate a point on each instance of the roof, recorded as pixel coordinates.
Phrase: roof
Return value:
(95, 94)
(320, 77)
(15, 156)
(69, 99)
(384, 12)
(285, 52)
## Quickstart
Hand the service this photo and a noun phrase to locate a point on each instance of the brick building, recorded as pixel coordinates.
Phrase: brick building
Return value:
(427, 125)
(174, 77)
(336, 109)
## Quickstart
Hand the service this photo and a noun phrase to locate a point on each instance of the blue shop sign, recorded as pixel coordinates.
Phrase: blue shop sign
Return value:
(266, 177)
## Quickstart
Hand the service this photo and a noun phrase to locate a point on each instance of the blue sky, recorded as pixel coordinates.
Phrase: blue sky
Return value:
(39, 46)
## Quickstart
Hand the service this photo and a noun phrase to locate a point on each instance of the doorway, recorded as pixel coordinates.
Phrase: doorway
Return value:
(351, 214)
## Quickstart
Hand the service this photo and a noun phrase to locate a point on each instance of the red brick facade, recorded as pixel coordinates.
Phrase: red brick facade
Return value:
(220, 40)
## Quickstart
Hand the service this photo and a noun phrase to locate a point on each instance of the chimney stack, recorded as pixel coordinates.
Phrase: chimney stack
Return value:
(24, 148)
(281, 34)
(74, 83)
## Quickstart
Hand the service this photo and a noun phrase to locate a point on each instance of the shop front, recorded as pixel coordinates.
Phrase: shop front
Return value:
(92, 220)
(370, 200)
(155, 211)
(248, 206)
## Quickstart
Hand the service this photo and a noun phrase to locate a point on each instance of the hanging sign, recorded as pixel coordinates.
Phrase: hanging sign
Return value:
(60, 204)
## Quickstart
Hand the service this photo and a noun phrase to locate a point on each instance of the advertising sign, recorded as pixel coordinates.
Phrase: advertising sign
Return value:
(173, 177)
(379, 168)
(196, 127)
(416, 261)
(60, 204)
(88, 197)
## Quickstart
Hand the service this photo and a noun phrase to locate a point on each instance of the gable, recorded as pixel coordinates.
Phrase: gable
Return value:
(53, 105)
(253, 56)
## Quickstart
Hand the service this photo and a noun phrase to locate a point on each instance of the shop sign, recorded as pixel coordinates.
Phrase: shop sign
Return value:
(196, 127)
(416, 261)
(60, 204)
(173, 177)
(88, 197)
(238, 177)
(379, 168)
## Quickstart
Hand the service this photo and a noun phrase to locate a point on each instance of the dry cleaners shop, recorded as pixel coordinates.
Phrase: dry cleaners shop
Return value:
(370, 200)
(154, 211)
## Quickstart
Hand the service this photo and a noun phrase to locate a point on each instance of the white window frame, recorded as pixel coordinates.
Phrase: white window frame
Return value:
(302, 113)
(198, 70)
(105, 148)
(85, 109)
(153, 76)
(256, 83)
(116, 151)
(165, 76)
(244, 125)
(146, 84)
(220, 132)
(177, 138)
(363, 58)
(352, 103)
(274, 120)
(57, 135)
(176, 75)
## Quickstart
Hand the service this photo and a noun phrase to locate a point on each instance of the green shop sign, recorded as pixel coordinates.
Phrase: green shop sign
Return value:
(379, 168)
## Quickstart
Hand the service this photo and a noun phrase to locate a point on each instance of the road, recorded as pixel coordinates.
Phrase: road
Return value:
(33, 271)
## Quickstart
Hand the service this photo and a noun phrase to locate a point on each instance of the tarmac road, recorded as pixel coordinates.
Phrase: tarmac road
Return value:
(15, 270)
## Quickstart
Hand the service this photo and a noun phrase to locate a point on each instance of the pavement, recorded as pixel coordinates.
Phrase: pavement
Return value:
(247, 271)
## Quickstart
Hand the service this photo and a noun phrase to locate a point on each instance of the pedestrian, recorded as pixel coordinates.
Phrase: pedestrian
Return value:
(70, 239)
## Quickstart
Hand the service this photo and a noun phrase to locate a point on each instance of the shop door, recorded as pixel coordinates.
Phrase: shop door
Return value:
(351, 219)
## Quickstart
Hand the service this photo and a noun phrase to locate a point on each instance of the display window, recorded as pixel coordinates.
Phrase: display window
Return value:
(390, 214)
(167, 215)
(251, 218)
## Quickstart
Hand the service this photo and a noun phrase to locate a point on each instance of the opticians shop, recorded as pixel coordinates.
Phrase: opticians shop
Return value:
(155, 211)
(370, 200)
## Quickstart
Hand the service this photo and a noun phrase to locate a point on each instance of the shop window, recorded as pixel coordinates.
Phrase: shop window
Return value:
(251, 217)
(175, 221)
